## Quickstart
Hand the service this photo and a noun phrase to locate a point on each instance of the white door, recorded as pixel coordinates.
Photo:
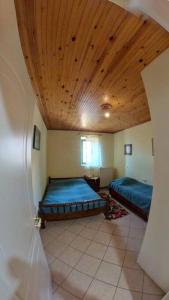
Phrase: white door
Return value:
(24, 271)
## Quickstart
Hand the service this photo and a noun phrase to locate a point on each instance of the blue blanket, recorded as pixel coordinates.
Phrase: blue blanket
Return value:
(73, 192)
(136, 192)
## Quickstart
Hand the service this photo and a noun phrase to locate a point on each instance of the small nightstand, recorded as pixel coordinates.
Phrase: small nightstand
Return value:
(94, 182)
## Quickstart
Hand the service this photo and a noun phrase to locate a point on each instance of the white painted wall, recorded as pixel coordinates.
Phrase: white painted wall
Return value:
(156, 9)
(119, 158)
(139, 165)
(154, 255)
(24, 272)
(63, 150)
(39, 160)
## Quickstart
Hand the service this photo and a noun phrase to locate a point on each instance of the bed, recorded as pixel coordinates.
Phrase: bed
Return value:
(68, 198)
(133, 194)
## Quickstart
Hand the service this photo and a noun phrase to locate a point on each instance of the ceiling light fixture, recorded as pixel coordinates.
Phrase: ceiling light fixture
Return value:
(106, 108)
(107, 114)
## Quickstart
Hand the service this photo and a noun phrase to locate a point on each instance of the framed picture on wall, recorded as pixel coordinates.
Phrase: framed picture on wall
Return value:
(128, 149)
(36, 138)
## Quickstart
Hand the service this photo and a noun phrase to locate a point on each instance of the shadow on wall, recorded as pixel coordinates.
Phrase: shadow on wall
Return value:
(29, 285)
(18, 268)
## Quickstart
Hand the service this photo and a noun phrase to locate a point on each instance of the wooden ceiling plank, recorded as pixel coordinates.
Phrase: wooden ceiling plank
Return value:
(78, 51)
(21, 13)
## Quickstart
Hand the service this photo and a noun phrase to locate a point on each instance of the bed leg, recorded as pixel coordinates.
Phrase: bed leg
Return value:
(43, 223)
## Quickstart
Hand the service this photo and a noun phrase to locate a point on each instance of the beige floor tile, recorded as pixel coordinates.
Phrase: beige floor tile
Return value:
(46, 237)
(102, 237)
(151, 297)
(137, 222)
(119, 242)
(55, 231)
(56, 249)
(80, 243)
(134, 244)
(115, 256)
(94, 225)
(101, 217)
(121, 230)
(124, 221)
(96, 249)
(108, 273)
(59, 271)
(122, 294)
(50, 258)
(50, 225)
(66, 237)
(131, 279)
(130, 260)
(107, 227)
(88, 265)
(61, 294)
(150, 287)
(88, 233)
(75, 228)
(107, 221)
(93, 218)
(104, 243)
(64, 223)
(136, 233)
(97, 218)
(77, 283)
(100, 291)
(82, 221)
(47, 242)
(70, 256)
(54, 287)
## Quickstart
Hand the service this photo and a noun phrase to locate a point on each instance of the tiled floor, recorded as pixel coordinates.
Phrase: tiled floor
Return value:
(95, 259)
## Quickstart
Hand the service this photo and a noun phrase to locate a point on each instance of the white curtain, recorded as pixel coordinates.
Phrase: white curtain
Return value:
(92, 151)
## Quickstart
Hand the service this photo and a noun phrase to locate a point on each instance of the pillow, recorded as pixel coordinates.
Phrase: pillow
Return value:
(125, 181)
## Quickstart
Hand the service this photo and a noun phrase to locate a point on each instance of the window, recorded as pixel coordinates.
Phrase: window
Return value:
(90, 151)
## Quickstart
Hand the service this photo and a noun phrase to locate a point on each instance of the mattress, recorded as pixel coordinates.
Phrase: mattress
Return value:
(70, 195)
(135, 192)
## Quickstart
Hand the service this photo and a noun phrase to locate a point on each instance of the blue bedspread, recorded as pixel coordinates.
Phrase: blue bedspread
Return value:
(74, 192)
(136, 192)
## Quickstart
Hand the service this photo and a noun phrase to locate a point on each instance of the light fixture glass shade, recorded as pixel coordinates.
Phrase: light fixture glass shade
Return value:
(106, 108)
(107, 114)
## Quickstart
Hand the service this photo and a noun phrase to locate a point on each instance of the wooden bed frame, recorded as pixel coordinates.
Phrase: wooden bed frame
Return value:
(138, 211)
(70, 215)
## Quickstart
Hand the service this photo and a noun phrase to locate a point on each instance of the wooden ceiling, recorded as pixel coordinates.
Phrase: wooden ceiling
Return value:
(81, 53)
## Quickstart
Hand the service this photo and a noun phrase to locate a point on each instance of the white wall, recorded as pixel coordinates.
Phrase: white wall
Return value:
(64, 153)
(24, 271)
(119, 158)
(139, 165)
(158, 10)
(154, 255)
(39, 160)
